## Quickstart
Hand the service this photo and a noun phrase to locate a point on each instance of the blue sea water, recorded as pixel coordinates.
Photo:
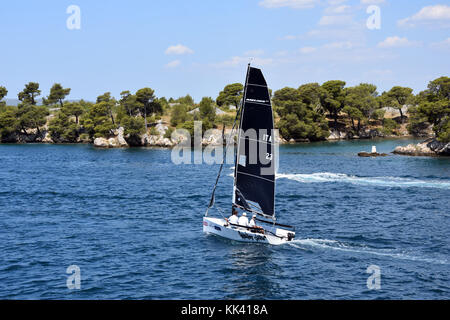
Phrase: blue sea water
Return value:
(132, 221)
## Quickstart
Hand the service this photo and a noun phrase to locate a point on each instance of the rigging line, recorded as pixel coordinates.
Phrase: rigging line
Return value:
(260, 103)
(253, 211)
(257, 85)
(211, 202)
(220, 211)
(250, 204)
(260, 141)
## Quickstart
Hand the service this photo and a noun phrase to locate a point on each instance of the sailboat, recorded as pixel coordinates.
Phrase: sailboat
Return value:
(254, 172)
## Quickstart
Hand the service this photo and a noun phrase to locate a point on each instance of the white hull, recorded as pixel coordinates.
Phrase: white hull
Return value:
(217, 226)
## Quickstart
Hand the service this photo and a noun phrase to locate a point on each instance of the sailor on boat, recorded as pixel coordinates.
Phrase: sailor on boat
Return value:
(234, 217)
(255, 228)
(252, 223)
(243, 220)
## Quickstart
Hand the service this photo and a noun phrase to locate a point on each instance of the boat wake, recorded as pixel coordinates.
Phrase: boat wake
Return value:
(322, 177)
(308, 244)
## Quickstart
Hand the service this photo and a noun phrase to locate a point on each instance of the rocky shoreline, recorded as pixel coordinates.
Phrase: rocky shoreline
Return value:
(429, 147)
(159, 140)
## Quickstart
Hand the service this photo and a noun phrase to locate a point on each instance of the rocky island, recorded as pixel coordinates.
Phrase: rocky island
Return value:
(430, 147)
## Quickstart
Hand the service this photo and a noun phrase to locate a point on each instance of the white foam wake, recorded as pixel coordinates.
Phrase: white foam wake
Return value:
(339, 246)
(322, 177)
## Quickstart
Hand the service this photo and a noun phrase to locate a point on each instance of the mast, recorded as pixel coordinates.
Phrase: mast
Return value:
(241, 112)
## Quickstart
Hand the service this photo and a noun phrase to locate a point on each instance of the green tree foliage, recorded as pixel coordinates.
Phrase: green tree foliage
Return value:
(333, 101)
(178, 115)
(129, 117)
(27, 116)
(354, 114)
(389, 126)
(157, 107)
(8, 121)
(29, 93)
(74, 109)
(378, 114)
(225, 119)
(97, 121)
(186, 100)
(168, 133)
(65, 126)
(312, 94)
(207, 109)
(433, 107)
(31, 117)
(231, 95)
(282, 96)
(128, 105)
(63, 129)
(148, 105)
(189, 126)
(3, 93)
(301, 113)
(164, 105)
(57, 95)
(109, 103)
(397, 98)
(360, 104)
(133, 128)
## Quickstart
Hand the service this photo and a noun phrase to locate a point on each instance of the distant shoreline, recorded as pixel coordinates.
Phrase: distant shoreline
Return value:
(409, 137)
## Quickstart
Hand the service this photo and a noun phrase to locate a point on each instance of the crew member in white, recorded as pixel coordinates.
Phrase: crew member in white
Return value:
(243, 220)
(252, 223)
(234, 217)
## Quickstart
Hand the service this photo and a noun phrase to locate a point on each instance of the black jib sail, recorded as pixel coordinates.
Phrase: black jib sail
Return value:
(254, 184)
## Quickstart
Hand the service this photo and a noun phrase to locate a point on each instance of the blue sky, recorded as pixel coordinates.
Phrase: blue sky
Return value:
(198, 46)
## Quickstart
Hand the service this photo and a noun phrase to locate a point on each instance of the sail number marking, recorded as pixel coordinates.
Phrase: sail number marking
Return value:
(267, 138)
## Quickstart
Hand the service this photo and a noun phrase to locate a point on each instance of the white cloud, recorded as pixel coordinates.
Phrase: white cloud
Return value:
(335, 20)
(337, 9)
(372, 1)
(179, 49)
(397, 42)
(173, 64)
(295, 4)
(336, 2)
(432, 15)
(307, 50)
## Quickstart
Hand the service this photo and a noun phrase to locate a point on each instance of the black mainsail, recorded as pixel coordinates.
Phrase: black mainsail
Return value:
(254, 175)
